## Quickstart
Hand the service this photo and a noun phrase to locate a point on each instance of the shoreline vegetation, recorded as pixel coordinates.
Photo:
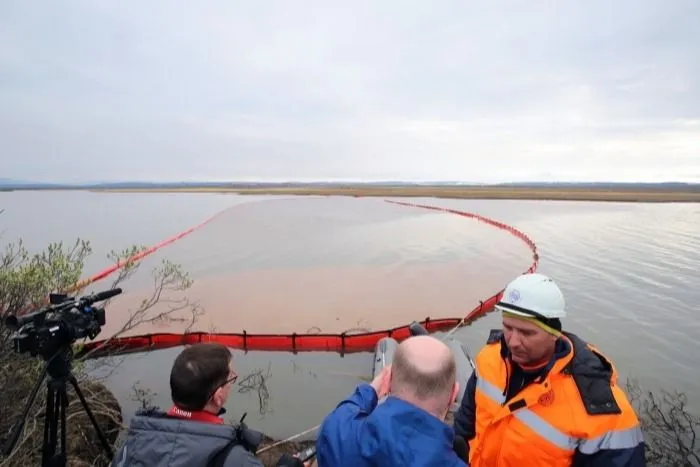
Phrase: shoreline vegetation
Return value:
(453, 192)
(663, 192)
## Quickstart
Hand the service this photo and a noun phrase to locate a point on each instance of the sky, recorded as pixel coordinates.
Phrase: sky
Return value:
(477, 91)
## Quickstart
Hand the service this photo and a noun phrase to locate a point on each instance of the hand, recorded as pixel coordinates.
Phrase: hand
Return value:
(381, 382)
(289, 460)
(308, 463)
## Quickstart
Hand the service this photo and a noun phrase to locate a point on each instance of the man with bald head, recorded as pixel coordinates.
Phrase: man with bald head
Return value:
(406, 429)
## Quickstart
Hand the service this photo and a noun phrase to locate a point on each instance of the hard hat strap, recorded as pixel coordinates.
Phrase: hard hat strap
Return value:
(527, 311)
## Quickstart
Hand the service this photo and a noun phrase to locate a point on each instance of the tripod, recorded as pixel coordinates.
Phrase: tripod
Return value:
(58, 368)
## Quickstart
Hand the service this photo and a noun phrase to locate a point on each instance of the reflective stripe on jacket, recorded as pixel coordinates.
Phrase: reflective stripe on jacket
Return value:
(575, 415)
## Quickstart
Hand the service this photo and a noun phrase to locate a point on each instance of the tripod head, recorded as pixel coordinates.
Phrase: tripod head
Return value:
(56, 326)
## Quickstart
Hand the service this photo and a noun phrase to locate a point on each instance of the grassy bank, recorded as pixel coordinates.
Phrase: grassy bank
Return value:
(454, 192)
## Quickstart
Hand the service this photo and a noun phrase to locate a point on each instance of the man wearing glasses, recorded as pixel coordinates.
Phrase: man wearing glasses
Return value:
(192, 433)
(200, 382)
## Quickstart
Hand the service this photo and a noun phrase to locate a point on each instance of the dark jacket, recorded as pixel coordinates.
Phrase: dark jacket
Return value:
(592, 374)
(156, 440)
(361, 433)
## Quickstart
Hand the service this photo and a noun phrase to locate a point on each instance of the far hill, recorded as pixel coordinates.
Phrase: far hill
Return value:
(11, 184)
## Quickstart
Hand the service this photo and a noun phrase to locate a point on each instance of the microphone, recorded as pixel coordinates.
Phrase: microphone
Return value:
(104, 295)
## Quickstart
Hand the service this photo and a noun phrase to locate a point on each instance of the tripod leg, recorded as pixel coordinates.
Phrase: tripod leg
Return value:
(17, 429)
(56, 409)
(103, 439)
(49, 423)
(63, 400)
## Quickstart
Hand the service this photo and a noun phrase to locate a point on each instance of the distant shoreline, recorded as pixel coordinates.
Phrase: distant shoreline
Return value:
(651, 195)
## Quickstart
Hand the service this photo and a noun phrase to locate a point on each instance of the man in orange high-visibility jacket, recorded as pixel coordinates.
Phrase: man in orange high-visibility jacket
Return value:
(542, 397)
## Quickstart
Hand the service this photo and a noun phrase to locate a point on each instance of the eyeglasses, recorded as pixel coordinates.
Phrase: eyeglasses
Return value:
(231, 380)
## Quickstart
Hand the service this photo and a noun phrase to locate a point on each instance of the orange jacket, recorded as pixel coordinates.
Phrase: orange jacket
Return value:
(573, 415)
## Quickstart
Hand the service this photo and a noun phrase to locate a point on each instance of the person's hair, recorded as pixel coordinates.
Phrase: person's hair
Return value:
(197, 373)
(423, 384)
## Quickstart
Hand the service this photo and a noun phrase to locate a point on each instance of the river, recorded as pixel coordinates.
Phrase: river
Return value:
(629, 272)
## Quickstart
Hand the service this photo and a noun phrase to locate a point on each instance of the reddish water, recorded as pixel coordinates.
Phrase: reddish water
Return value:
(318, 265)
(323, 299)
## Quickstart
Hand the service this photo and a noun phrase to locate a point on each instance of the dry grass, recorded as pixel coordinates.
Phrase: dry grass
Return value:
(486, 192)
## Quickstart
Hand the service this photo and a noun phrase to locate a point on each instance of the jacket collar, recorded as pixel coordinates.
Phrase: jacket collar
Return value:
(563, 354)
(419, 419)
(594, 376)
(592, 372)
(181, 414)
(195, 416)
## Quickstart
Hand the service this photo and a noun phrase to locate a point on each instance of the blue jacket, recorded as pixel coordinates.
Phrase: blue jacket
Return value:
(395, 433)
(589, 373)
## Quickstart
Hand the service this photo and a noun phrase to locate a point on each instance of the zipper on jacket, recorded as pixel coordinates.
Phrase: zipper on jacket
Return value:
(505, 390)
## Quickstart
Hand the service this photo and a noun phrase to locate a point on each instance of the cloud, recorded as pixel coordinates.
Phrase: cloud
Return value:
(480, 91)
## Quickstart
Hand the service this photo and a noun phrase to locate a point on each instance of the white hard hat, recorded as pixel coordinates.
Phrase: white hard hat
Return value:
(533, 295)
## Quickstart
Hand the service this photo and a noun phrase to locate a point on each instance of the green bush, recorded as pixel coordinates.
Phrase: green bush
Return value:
(25, 282)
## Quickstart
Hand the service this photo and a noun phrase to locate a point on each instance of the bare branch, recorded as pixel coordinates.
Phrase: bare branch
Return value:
(670, 430)
(257, 381)
(143, 396)
(25, 282)
(126, 262)
(169, 277)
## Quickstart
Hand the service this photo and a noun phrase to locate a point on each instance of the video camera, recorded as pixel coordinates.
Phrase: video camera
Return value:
(64, 320)
(49, 333)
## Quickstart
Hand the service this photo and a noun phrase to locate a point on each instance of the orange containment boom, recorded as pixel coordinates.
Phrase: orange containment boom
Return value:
(140, 255)
(342, 343)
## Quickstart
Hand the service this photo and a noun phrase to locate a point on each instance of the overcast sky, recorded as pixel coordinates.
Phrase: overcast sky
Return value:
(361, 89)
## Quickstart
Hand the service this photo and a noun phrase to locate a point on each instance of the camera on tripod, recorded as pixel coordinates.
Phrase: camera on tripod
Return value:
(62, 322)
(50, 333)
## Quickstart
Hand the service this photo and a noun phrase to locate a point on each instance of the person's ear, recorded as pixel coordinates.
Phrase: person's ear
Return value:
(218, 397)
(386, 383)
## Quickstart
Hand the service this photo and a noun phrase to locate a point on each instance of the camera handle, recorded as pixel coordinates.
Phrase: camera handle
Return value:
(59, 372)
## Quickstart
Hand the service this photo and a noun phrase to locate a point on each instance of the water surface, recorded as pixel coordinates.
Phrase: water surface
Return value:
(629, 273)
